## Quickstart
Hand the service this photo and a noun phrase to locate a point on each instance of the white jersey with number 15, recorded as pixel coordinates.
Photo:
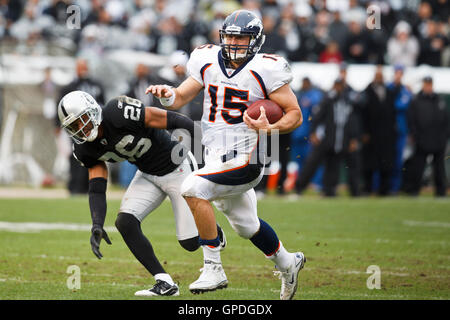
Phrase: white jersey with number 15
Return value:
(229, 92)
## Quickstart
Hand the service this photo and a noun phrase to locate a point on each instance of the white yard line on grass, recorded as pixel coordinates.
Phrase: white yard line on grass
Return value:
(45, 226)
(437, 224)
(50, 193)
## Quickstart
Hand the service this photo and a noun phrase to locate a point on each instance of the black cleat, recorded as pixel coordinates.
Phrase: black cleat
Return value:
(161, 288)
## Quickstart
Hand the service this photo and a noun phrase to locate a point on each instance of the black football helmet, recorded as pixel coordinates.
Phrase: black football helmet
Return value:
(246, 23)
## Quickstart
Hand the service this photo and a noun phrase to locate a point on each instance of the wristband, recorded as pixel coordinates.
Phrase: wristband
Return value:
(167, 102)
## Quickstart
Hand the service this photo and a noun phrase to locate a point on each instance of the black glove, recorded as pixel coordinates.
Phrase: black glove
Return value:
(97, 234)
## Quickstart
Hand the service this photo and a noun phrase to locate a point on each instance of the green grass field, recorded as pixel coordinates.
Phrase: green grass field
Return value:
(408, 239)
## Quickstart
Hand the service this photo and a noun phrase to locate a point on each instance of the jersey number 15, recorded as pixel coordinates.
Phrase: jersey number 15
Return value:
(228, 104)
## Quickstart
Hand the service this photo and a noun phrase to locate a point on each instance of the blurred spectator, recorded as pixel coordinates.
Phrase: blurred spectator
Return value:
(94, 12)
(403, 48)
(253, 6)
(337, 5)
(339, 140)
(322, 26)
(275, 41)
(441, 9)
(388, 17)
(196, 32)
(63, 143)
(48, 87)
(175, 71)
(116, 12)
(445, 29)
(338, 30)
(58, 10)
(399, 98)
(144, 77)
(354, 12)
(29, 28)
(419, 20)
(309, 98)
(378, 136)
(169, 35)
(276, 178)
(313, 30)
(378, 37)
(10, 12)
(429, 125)
(174, 74)
(91, 46)
(432, 45)
(140, 27)
(78, 176)
(347, 87)
(295, 32)
(377, 46)
(317, 134)
(331, 53)
(356, 48)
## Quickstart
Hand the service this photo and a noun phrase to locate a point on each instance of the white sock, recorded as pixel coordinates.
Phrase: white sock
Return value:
(212, 254)
(282, 258)
(164, 277)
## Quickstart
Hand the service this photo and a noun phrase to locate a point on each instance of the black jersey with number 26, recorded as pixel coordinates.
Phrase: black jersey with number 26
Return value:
(125, 137)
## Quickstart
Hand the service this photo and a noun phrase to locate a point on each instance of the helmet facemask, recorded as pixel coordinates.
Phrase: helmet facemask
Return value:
(83, 128)
(80, 116)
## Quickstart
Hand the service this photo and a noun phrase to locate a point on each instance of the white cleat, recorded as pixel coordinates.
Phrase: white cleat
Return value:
(212, 278)
(161, 288)
(289, 278)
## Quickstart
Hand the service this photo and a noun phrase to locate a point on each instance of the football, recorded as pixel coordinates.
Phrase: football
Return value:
(273, 111)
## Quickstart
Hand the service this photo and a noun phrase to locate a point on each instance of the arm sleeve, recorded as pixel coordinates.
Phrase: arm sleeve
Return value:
(176, 120)
(97, 201)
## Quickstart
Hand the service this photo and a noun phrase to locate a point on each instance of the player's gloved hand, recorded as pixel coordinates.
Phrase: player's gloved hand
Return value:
(97, 234)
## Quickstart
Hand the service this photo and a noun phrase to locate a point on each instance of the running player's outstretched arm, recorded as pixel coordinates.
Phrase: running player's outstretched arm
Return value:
(175, 98)
(291, 119)
(98, 175)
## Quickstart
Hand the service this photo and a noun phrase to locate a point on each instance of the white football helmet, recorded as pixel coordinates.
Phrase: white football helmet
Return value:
(80, 115)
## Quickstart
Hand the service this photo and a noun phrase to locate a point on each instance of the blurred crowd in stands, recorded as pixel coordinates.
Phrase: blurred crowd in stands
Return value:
(379, 140)
(410, 32)
(382, 137)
